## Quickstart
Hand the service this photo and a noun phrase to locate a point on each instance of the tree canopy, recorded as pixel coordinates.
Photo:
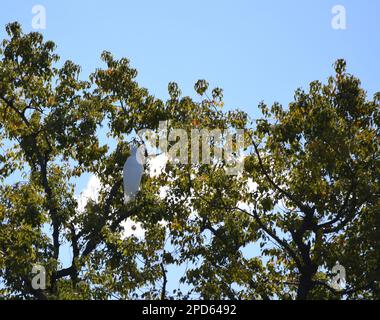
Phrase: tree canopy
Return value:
(309, 194)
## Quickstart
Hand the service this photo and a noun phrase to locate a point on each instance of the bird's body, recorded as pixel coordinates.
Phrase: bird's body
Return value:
(132, 173)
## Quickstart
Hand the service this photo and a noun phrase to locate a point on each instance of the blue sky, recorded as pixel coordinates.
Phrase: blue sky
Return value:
(254, 50)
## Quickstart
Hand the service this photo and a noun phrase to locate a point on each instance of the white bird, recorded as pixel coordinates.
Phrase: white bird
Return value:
(132, 173)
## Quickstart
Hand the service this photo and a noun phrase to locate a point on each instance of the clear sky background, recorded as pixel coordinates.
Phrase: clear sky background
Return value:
(255, 50)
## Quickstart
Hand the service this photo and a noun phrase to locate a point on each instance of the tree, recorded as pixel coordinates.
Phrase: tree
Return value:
(308, 195)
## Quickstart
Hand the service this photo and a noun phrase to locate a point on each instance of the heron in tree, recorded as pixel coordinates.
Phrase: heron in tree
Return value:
(133, 171)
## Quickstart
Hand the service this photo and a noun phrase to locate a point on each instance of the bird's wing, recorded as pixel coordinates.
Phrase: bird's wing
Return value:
(132, 174)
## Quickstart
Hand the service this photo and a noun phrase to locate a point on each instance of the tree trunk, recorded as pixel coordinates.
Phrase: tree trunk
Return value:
(305, 284)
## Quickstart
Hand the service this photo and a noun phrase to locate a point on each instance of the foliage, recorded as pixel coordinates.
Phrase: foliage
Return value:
(308, 196)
